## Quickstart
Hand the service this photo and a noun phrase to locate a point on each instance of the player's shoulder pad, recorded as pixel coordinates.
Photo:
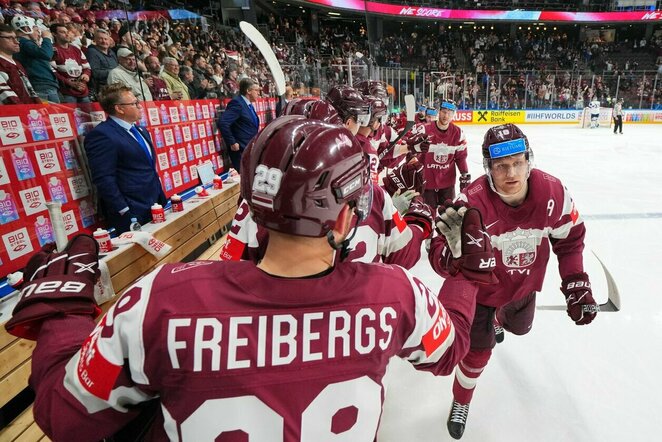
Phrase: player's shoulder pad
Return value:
(546, 185)
(475, 189)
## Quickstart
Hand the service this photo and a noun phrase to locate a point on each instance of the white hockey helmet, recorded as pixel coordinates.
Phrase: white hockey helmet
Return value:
(23, 24)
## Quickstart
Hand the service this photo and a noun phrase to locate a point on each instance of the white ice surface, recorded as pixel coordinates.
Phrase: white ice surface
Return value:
(562, 382)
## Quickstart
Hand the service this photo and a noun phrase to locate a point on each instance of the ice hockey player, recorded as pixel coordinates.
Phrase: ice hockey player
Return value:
(292, 348)
(382, 133)
(525, 210)
(384, 236)
(352, 107)
(594, 110)
(441, 146)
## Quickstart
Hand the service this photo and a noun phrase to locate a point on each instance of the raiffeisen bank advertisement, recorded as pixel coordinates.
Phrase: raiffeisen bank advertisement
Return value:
(467, 14)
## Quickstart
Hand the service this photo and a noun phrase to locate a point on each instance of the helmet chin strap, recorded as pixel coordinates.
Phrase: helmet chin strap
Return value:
(343, 246)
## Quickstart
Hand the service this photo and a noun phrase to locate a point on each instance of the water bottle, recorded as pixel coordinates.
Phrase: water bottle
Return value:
(135, 225)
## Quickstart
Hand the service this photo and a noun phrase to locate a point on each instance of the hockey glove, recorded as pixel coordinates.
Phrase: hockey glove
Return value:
(465, 180)
(418, 143)
(420, 214)
(401, 201)
(449, 224)
(471, 249)
(407, 176)
(581, 306)
(57, 284)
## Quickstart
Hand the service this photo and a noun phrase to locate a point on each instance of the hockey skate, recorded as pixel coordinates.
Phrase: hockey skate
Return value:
(457, 419)
(499, 332)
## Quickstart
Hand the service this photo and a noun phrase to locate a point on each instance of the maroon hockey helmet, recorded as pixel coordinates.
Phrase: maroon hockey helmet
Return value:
(315, 109)
(298, 173)
(374, 88)
(378, 110)
(502, 141)
(323, 111)
(296, 106)
(349, 103)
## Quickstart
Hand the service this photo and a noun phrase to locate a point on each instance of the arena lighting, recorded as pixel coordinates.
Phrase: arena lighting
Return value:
(422, 12)
(334, 13)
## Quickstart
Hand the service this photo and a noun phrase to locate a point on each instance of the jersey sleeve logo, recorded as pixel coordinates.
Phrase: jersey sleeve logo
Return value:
(574, 214)
(95, 373)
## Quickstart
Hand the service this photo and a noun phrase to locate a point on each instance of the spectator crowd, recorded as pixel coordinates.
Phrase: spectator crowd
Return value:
(59, 53)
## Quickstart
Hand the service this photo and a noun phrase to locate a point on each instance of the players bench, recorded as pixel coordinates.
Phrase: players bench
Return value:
(189, 235)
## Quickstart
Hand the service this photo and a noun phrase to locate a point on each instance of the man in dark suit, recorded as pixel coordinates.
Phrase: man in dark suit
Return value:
(121, 159)
(240, 123)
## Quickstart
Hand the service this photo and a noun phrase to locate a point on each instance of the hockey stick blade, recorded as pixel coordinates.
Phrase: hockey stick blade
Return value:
(613, 303)
(410, 106)
(263, 46)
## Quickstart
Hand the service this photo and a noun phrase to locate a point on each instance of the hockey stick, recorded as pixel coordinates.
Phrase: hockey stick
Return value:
(613, 303)
(274, 66)
(410, 105)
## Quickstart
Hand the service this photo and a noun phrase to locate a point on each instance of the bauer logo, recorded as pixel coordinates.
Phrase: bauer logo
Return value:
(11, 131)
(61, 125)
(17, 243)
(33, 200)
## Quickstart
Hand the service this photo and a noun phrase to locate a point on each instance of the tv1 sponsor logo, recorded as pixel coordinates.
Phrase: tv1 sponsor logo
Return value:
(78, 186)
(11, 131)
(33, 200)
(61, 125)
(47, 160)
(4, 175)
(153, 115)
(205, 111)
(70, 224)
(17, 243)
(190, 110)
(463, 116)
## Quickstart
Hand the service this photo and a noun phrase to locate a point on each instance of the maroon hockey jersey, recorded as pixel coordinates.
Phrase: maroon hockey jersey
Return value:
(380, 140)
(382, 237)
(228, 349)
(15, 87)
(448, 149)
(69, 64)
(521, 237)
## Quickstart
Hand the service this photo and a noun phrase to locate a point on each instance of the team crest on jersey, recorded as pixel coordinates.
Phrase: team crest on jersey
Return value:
(518, 248)
(440, 157)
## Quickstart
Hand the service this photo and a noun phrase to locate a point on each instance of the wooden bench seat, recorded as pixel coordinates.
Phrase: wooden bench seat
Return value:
(188, 233)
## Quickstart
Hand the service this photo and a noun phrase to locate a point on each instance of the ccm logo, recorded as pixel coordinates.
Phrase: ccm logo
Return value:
(52, 286)
(487, 263)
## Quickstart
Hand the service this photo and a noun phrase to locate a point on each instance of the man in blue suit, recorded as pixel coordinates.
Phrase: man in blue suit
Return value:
(121, 159)
(240, 123)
